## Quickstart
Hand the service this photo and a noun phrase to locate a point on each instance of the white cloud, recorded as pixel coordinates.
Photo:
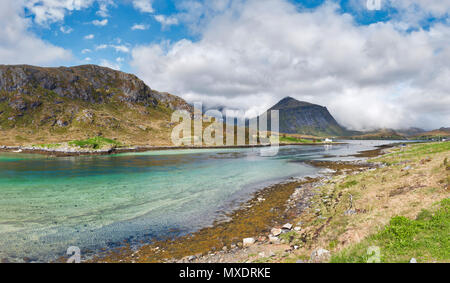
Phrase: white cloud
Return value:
(49, 11)
(65, 29)
(87, 50)
(121, 48)
(144, 6)
(18, 45)
(103, 22)
(197, 14)
(421, 7)
(108, 64)
(103, 7)
(87, 59)
(166, 21)
(254, 53)
(89, 36)
(119, 59)
(408, 13)
(139, 27)
(118, 48)
(101, 46)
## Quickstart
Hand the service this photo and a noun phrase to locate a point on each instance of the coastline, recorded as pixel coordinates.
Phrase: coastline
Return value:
(270, 207)
(87, 152)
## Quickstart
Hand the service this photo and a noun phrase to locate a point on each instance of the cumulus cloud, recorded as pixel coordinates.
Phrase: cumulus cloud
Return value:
(18, 45)
(46, 12)
(121, 48)
(103, 7)
(408, 14)
(144, 6)
(118, 48)
(166, 21)
(139, 27)
(109, 64)
(102, 23)
(65, 29)
(418, 9)
(254, 53)
(101, 46)
(49, 11)
(89, 36)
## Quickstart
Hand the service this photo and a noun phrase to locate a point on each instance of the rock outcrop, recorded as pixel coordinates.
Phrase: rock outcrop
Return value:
(41, 105)
(89, 83)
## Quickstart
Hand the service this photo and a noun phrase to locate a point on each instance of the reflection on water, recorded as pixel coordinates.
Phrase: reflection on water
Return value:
(48, 204)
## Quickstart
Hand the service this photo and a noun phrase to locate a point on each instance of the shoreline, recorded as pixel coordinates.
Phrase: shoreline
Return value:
(76, 152)
(270, 207)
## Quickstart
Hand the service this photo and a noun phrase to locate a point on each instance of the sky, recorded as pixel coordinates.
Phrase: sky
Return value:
(372, 63)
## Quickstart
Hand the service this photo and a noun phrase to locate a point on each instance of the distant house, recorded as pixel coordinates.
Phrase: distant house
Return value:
(328, 140)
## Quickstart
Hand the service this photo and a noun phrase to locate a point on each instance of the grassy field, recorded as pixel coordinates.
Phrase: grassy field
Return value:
(426, 238)
(400, 209)
(299, 139)
(95, 143)
(286, 139)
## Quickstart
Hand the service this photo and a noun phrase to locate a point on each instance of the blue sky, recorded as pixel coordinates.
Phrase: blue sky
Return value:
(70, 32)
(385, 68)
(117, 32)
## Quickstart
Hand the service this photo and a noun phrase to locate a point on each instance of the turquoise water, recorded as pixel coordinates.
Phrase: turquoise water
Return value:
(48, 204)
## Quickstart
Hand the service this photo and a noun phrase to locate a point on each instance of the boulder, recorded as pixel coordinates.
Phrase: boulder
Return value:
(274, 240)
(320, 255)
(287, 226)
(248, 242)
(275, 232)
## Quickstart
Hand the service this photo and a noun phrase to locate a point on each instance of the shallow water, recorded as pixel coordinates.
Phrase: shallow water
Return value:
(48, 204)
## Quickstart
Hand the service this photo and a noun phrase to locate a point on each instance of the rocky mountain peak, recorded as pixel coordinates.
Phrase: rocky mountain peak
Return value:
(89, 83)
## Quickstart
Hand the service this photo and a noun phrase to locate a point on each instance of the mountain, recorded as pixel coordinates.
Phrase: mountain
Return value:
(434, 134)
(42, 105)
(410, 131)
(298, 117)
(379, 134)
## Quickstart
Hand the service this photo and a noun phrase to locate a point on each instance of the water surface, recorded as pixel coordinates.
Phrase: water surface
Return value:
(48, 204)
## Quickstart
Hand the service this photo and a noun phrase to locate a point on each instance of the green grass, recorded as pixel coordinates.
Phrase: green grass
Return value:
(94, 143)
(425, 238)
(414, 152)
(348, 184)
(48, 145)
(294, 140)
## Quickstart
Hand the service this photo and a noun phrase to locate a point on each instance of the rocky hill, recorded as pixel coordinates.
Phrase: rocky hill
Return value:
(43, 105)
(298, 117)
(379, 134)
(443, 132)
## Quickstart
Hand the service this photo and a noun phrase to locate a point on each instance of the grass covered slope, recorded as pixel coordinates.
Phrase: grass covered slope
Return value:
(402, 208)
(53, 105)
(426, 238)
